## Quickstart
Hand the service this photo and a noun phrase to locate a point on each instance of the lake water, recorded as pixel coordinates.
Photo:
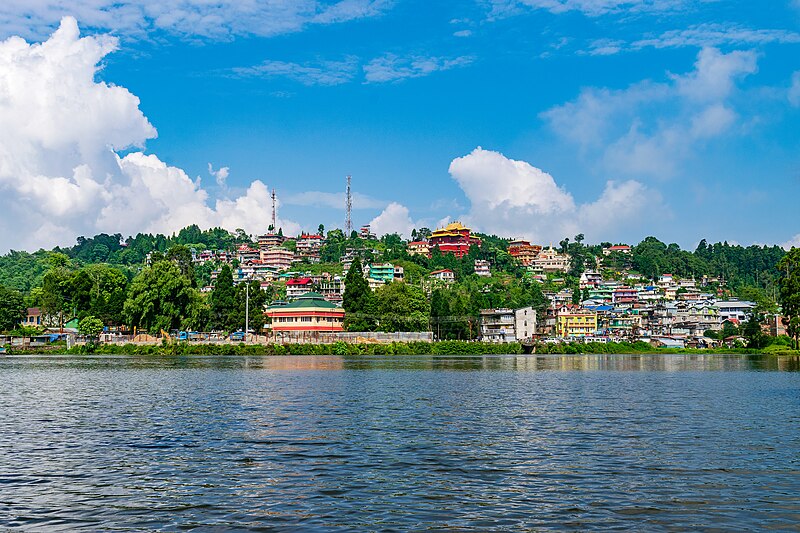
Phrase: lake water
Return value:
(400, 443)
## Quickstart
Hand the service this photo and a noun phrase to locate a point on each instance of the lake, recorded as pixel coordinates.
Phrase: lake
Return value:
(659, 442)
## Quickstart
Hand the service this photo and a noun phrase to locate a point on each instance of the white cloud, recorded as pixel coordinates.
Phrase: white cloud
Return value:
(59, 173)
(794, 242)
(649, 128)
(592, 8)
(511, 197)
(794, 90)
(462, 33)
(319, 73)
(394, 219)
(204, 19)
(220, 176)
(717, 34)
(391, 67)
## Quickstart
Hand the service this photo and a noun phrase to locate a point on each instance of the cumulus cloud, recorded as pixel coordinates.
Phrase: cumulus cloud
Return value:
(514, 197)
(649, 128)
(391, 67)
(794, 242)
(394, 219)
(220, 176)
(60, 173)
(221, 19)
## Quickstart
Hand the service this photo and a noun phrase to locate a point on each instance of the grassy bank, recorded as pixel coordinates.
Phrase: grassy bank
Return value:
(395, 348)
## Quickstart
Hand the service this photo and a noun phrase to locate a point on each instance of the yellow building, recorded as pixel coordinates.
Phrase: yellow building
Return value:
(572, 321)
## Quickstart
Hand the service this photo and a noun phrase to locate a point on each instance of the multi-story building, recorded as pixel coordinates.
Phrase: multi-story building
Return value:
(418, 248)
(332, 290)
(524, 251)
(308, 313)
(245, 254)
(549, 260)
(268, 240)
(382, 272)
(574, 322)
(497, 325)
(453, 239)
(308, 247)
(366, 233)
(297, 287)
(590, 279)
(525, 324)
(277, 257)
(445, 275)
(482, 268)
(620, 248)
(739, 310)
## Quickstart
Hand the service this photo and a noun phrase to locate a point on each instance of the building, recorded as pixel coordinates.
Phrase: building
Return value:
(308, 313)
(382, 272)
(366, 233)
(497, 325)
(332, 290)
(620, 248)
(482, 268)
(549, 260)
(574, 322)
(269, 240)
(453, 239)
(524, 251)
(525, 324)
(590, 279)
(446, 275)
(740, 310)
(308, 247)
(297, 287)
(277, 257)
(33, 318)
(418, 248)
(246, 254)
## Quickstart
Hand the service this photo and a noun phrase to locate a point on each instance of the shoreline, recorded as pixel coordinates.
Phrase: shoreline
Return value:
(388, 349)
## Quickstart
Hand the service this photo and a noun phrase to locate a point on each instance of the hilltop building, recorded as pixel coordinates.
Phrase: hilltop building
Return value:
(453, 239)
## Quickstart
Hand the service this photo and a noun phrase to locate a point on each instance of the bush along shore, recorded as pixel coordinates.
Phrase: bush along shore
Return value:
(394, 348)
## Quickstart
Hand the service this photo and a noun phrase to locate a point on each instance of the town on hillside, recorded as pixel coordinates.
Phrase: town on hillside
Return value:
(447, 283)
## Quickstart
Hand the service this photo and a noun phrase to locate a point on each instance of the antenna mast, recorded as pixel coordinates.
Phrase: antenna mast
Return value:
(274, 212)
(348, 223)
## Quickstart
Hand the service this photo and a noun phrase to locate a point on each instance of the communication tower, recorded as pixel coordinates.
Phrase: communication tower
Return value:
(274, 212)
(348, 223)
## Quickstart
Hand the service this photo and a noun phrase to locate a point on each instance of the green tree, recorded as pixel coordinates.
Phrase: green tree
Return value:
(182, 256)
(90, 327)
(752, 332)
(12, 308)
(223, 302)
(789, 268)
(357, 300)
(160, 297)
(401, 307)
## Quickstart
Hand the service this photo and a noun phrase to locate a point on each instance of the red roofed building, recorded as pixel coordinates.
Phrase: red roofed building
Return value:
(453, 239)
(297, 287)
(524, 251)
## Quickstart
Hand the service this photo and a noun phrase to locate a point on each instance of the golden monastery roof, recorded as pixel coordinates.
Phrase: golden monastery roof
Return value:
(451, 229)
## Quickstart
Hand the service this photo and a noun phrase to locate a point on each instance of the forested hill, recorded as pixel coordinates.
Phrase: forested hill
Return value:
(738, 266)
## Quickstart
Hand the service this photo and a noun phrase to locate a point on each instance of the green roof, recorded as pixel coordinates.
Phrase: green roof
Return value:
(309, 299)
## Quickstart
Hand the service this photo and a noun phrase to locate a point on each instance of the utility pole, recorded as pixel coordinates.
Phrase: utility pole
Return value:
(348, 223)
(247, 310)
(274, 213)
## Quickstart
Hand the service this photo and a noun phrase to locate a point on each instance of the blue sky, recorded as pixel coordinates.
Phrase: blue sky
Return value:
(617, 119)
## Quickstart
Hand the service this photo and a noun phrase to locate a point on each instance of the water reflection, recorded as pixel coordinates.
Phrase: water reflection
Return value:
(680, 442)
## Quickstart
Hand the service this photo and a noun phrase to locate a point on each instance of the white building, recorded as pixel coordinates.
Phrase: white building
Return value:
(524, 323)
(482, 268)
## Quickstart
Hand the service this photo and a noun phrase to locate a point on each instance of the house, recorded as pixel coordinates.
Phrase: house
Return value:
(308, 247)
(549, 260)
(245, 253)
(418, 248)
(574, 322)
(497, 325)
(620, 249)
(270, 240)
(446, 275)
(482, 268)
(33, 318)
(277, 257)
(523, 251)
(382, 272)
(297, 287)
(366, 233)
(740, 310)
(453, 239)
(308, 313)
(590, 279)
(332, 290)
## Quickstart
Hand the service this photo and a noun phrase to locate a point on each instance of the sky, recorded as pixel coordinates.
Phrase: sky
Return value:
(535, 119)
